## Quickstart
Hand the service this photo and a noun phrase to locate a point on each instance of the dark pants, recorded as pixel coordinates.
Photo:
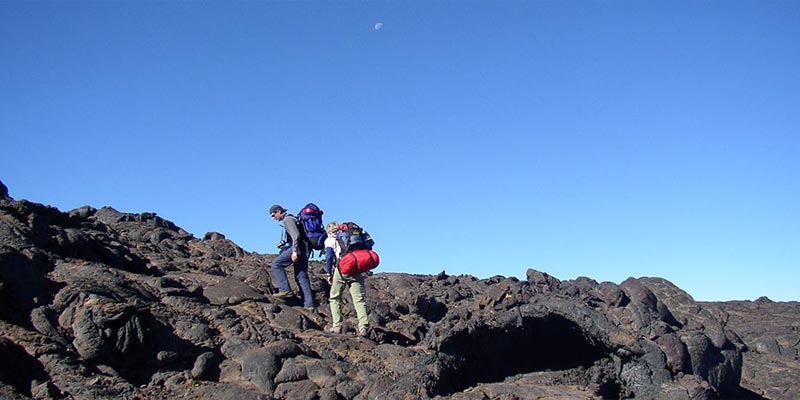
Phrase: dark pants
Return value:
(279, 265)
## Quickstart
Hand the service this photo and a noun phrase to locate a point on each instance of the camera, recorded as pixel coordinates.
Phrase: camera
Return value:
(281, 244)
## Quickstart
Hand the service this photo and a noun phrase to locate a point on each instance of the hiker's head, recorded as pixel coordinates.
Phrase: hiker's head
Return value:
(332, 227)
(276, 212)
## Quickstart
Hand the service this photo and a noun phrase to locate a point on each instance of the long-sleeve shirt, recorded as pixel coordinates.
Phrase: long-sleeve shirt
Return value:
(332, 253)
(295, 235)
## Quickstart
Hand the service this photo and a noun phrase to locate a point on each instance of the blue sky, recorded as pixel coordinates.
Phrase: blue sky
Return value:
(605, 139)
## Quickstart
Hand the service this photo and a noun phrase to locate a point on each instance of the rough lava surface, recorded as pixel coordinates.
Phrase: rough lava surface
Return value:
(102, 304)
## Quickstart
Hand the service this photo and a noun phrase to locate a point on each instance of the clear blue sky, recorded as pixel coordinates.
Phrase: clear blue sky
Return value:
(605, 139)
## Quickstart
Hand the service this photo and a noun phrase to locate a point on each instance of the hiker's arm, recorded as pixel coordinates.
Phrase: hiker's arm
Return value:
(329, 258)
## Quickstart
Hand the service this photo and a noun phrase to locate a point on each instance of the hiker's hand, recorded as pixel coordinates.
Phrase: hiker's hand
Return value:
(294, 257)
(330, 280)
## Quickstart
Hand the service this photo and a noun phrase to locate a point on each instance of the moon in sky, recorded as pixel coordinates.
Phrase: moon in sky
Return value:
(378, 26)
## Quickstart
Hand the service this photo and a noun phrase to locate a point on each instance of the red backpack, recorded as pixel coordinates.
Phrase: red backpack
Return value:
(357, 254)
(358, 261)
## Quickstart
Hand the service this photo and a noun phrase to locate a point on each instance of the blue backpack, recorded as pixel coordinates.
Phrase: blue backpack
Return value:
(311, 220)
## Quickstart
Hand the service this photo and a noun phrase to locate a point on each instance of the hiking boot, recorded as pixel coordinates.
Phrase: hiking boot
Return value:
(363, 331)
(335, 329)
(282, 294)
(311, 309)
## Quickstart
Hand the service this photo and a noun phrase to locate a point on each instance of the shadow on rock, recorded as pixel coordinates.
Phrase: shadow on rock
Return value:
(491, 354)
(23, 287)
(18, 368)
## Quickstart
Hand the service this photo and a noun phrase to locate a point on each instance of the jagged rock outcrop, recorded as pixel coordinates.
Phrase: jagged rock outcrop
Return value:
(97, 303)
(771, 333)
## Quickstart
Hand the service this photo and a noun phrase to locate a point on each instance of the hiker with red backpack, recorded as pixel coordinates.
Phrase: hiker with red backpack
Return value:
(340, 247)
(295, 250)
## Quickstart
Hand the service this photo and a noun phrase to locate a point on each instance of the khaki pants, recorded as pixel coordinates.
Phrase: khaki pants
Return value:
(357, 291)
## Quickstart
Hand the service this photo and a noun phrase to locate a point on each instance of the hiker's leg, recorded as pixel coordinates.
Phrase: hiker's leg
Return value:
(358, 289)
(337, 288)
(283, 260)
(301, 276)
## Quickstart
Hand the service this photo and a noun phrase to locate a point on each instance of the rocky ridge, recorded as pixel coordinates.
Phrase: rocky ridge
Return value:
(771, 333)
(100, 304)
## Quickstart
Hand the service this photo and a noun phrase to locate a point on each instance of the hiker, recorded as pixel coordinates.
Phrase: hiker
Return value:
(294, 249)
(338, 281)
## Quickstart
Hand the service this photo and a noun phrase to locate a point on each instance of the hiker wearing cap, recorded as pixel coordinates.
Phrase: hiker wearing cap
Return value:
(294, 249)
